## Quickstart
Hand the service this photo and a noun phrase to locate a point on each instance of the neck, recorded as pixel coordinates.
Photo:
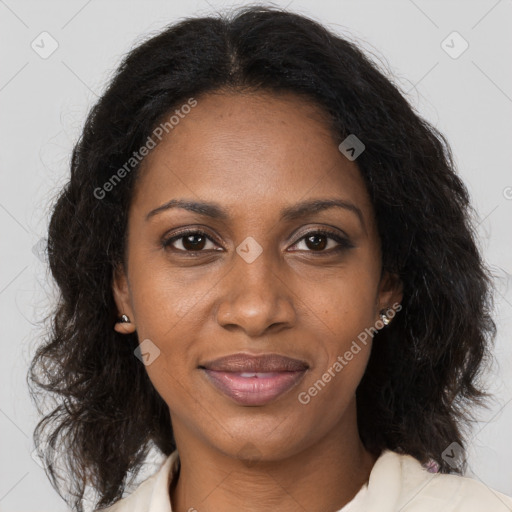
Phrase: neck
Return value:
(325, 475)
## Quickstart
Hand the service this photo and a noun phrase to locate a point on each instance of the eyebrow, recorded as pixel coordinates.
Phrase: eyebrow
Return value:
(297, 211)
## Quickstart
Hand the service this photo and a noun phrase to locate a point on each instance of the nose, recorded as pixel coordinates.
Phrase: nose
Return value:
(255, 297)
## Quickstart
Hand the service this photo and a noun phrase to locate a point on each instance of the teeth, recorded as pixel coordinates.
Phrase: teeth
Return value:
(260, 375)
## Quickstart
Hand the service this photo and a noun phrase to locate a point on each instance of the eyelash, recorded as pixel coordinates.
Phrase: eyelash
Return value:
(344, 243)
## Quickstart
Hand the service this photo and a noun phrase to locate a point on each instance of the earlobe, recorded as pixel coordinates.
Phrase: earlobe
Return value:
(124, 325)
(121, 292)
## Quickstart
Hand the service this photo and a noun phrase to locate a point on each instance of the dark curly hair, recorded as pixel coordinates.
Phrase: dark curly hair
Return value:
(424, 372)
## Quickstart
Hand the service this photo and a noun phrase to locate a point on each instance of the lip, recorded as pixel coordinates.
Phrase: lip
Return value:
(254, 379)
(254, 390)
(243, 362)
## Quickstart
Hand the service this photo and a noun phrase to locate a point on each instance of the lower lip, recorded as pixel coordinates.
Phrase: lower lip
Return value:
(254, 390)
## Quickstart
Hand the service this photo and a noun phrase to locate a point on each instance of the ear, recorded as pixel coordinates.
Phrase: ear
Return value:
(122, 298)
(390, 291)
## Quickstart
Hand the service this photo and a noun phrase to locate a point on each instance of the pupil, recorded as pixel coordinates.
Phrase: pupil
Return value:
(193, 246)
(317, 245)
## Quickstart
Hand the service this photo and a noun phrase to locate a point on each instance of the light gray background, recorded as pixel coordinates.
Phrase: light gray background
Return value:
(43, 103)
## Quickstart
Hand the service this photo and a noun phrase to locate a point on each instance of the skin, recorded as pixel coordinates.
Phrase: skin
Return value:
(255, 154)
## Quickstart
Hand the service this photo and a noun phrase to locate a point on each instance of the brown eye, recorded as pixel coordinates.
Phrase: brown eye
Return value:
(190, 241)
(317, 241)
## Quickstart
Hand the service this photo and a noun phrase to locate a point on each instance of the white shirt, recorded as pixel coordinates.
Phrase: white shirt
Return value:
(397, 483)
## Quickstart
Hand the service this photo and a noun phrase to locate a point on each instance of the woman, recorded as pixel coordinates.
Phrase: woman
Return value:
(268, 272)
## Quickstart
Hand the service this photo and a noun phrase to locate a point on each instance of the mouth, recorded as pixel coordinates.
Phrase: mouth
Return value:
(254, 380)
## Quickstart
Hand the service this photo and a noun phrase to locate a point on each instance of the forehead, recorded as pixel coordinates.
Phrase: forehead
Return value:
(246, 150)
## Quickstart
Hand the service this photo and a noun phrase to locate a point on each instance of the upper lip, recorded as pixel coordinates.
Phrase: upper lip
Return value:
(255, 363)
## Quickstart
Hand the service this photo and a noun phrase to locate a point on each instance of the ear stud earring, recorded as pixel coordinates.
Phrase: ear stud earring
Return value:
(384, 317)
(124, 325)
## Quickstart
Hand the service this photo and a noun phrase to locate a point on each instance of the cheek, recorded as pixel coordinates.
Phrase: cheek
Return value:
(341, 359)
(164, 297)
(168, 316)
(343, 317)
(345, 303)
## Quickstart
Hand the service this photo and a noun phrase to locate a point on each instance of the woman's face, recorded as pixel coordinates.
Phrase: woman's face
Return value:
(257, 281)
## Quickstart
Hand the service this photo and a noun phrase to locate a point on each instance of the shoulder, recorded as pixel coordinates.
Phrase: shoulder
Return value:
(419, 490)
(152, 493)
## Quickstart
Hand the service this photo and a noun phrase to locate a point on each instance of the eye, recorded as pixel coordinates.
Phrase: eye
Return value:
(317, 241)
(190, 241)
